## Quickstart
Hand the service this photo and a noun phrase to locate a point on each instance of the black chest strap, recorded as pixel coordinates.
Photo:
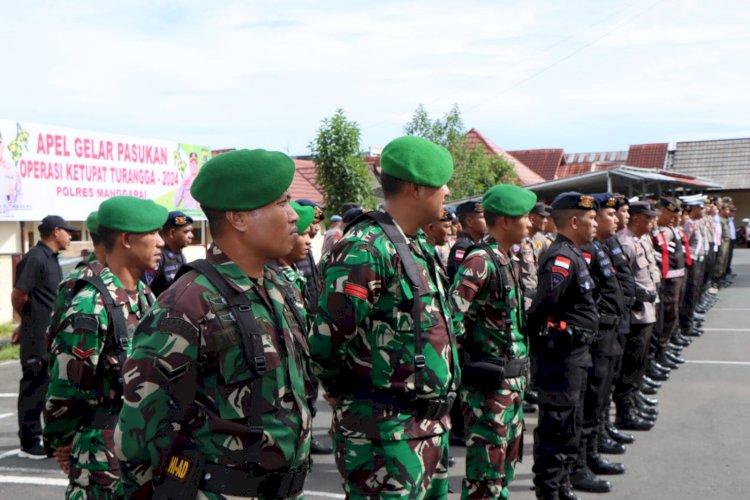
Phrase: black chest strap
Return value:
(499, 284)
(251, 341)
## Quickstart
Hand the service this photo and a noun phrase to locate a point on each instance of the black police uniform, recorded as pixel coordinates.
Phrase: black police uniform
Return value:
(38, 274)
(458, 251)
(563, 321)
(605, 350)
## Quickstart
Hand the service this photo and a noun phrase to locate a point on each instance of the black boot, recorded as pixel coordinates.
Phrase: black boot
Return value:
(597, 463)
(585, 480)
(647, 389)
(651, 382)
(645, 400)
(630, 421)
(609, 446)
(655, 374)
(318, 448)
(620, 437)
(566, 491)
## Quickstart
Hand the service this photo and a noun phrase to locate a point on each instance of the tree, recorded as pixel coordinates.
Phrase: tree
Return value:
(476, 169)
(339, 168)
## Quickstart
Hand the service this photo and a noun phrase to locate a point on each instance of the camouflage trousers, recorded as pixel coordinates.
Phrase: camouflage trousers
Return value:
(407, 469)
(494, 422)
(94, 469)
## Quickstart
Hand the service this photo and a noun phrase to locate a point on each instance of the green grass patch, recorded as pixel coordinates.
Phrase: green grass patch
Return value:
(6, 329)
(10, 352)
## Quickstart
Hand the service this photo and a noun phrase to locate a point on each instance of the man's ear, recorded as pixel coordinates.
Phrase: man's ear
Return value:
(238, 220)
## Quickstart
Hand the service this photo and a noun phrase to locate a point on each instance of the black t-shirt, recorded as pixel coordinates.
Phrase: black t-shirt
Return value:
(38, 274)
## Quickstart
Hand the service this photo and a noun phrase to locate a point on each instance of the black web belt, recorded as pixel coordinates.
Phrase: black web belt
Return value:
(254, 482)
(430, 409)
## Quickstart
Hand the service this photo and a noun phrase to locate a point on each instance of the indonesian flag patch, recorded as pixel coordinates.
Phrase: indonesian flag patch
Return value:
(587, 257)
(563, 262)
(459, 255)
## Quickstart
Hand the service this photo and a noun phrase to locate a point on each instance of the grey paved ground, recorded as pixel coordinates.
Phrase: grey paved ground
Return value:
(698, 449)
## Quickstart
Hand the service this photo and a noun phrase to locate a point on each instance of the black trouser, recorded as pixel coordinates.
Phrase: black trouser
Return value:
(708, 269)
(561, 384)
(597, 390)
(31, 393)
(633, 366)
(692, 295)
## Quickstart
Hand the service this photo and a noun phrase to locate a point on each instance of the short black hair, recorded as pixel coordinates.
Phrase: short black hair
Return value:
(108, 237)
(391, 186)
(562, 216)
(216, 220)
(490, 217)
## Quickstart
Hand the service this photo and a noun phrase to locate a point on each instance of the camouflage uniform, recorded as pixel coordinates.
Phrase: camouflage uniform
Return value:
(188, 385)
(85, 380)
(65, 292)
(494, 416)
(364, 354)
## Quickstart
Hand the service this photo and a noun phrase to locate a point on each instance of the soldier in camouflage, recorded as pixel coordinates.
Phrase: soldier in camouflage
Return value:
(489, 313)
(394, 375)
(215, 409)
(531, 251)
(85, 391)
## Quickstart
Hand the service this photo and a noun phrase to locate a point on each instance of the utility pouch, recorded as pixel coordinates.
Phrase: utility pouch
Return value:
(483, 373)
(181, 476)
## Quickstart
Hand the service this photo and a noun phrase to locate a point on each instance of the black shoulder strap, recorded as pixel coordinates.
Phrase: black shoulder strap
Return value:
(501, 284)
(252, 345)
(116, 318)
(418, 287)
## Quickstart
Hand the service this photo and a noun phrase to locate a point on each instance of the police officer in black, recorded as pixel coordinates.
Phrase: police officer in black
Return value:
(605, 350)
(33, 296)
(473, 229)
(177, 234)
(563, 322)
(611, 439)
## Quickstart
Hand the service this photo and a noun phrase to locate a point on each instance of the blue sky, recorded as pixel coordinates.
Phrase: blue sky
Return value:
(578, 75)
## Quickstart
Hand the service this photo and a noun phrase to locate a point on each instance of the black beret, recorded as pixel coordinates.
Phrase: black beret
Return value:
(469, 207)
(671, 204)
(177, 219)
(573, 200)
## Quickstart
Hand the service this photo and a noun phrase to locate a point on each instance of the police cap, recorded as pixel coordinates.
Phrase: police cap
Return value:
(573, 200)
(177, 219)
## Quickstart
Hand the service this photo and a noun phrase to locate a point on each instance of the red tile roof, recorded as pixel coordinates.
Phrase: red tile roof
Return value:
(303, 184)
(648, 155)
(526, 175)
(544, 162)
(584, 168)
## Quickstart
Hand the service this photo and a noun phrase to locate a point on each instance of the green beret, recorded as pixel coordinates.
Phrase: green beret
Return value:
(507, 199)
(243, 179)
(306, 215)
(417, 160)
(131, 214)
(92, 222)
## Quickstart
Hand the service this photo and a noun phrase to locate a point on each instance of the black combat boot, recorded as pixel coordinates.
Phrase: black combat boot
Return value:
(599, 464)
(646, 400)
(585, 480)
(617, 435)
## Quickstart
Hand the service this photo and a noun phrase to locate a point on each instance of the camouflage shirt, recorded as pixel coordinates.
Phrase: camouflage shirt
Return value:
(366, 333)
(85, 357)
(187, 379)
(481, 309)
(85, 269)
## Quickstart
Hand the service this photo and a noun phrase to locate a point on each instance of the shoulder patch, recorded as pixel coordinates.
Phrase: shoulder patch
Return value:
(85, 322)
(556, 280)
(587, 257)
(459, 256)
(356, 291)
(561, 261)
(83, 354)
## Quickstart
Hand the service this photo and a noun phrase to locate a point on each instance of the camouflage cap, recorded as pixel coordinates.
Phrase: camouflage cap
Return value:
(92, 222)
(306, 214)
(415, 159)
(507, 199)
(243, 179)
(131, 214)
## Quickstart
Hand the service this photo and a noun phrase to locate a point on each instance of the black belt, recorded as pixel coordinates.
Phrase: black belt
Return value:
(609, 320)
(629, 301)
(430, 409)
(583, 336)
(102, 419)
(255, 482)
